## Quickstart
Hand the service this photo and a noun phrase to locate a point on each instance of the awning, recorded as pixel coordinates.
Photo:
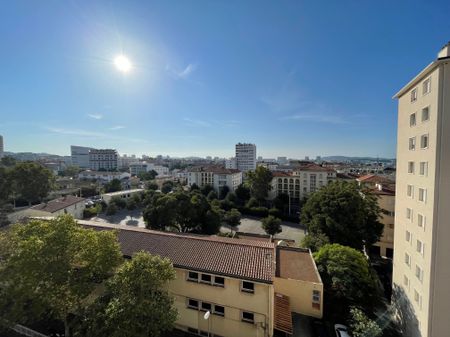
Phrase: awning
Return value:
(282, 313)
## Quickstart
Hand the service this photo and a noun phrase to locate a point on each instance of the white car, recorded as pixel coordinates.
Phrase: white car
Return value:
(341, 330)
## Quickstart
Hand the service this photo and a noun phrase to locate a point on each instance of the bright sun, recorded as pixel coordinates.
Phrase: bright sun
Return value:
(122, 63)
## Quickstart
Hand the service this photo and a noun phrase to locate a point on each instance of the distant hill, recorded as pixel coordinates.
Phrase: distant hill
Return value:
(356, 159)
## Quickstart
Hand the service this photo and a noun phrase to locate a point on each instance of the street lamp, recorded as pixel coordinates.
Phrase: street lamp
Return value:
(206, 317)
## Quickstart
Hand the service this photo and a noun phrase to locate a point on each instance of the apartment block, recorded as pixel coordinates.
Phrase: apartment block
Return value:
(103, 159)
(300, 181)
(215, 176)
(139, 167)
(384, 191)
(245, 157)
(421, 272)
(250, 288)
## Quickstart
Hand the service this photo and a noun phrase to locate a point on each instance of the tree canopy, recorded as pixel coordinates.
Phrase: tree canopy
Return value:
(136, 302)
(51, 267)
(113, 186)
(271, 225)
(347, 277)
(341, 213)
(259, 182)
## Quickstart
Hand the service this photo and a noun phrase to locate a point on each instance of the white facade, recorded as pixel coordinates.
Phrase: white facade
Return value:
(121, 194)
(231, 163)
(103, 176)
(106, 159)
(245, 157)
(216, 177)
(136, 168)
(421, 271)
(80, 156)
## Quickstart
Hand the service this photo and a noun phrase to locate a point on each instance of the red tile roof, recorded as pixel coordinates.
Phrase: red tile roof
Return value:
(373, 178)
(58, 204)
(239, 258)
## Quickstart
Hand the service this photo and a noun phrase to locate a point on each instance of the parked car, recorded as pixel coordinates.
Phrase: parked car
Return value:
(341, 330)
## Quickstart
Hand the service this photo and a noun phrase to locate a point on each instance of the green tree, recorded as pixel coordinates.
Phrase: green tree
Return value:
(32, 181)
(112, 208)
(348, 279)
(260, 183)
(146, 176)
(206, 189)
(281, 202)
(345, 215)
(51, 268)
(232, 218)
(120, 202)
(131, 204)
(223, 191)
(252, 202)
(212, 195)
(8, 161)
(243, 194)
(194, 187)
(136, 302)
(271, 225)
(152, 186)
(113, 186)
(363, 326)
(70, 171)
(167, 187)
(5, 184)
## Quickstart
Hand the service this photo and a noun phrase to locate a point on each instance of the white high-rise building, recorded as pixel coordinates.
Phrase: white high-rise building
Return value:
(2, 149)
(421, 268)
(104, 159)
(246, 157)
(80, 155)
(231, 163)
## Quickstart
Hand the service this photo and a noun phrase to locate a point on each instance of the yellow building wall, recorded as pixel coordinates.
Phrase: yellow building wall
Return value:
(300, 295)
(386, 202)
(230, 297)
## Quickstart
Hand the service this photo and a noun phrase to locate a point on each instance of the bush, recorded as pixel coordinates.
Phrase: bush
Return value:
(258, 211)
(274, 212)
(252, 203)
(131, 204)
(111, 209)
(120, 202)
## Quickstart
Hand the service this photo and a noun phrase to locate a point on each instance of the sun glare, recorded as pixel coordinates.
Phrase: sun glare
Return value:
(122, 63)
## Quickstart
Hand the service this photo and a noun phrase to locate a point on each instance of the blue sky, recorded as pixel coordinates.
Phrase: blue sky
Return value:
(297, 78)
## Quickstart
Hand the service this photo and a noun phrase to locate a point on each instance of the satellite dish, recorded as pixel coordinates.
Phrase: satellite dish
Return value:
(207, 314)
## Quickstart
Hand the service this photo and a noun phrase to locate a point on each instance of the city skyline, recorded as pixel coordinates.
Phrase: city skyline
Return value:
(201, 83)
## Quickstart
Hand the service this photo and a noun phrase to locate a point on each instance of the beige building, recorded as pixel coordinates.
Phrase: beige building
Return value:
(301, 181)
(421, 269)
(215, 176)
(250, 288)
(384, 190)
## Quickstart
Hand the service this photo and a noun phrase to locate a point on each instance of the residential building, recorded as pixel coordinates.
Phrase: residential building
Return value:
(231, 163)
(139, 167)
(272, 166)
(298, 182)
(384, 190)
(103, 159)
(282, 160)
(251, 288)
(215, 176)
(80, 156)
(421, 272)
(68, 204)
(125, 161)
(245, 157)
(2, 149)
(103, 176)
(121, 194)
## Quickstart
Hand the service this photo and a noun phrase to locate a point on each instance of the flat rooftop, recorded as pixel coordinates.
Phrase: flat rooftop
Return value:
(124, 192)
(297, 264)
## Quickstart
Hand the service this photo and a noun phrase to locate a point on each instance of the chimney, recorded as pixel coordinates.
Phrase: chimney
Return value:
(445, 51)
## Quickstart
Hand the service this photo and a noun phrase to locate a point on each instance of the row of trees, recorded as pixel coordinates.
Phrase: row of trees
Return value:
(59, 270)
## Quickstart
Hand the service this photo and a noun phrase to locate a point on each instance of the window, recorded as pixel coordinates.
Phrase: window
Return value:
(420, 220)
(426, 86)
(316, 296)
(192, 276)
(418, 298)
(423, 168)
(425, 114)
(206, 306)
(192, 304)
(422, 194)
(219, 281)
(219, 310)
(408, 236)
(424, 141)
(409, 213)
(206, 279)
(412, 143)
(248, 287)
(248, 317)
(412, 119)
(414, 95)
(419, 273)
(419, 247)
(410, 167)
(406, 281)
(410, 191)
(407, 259)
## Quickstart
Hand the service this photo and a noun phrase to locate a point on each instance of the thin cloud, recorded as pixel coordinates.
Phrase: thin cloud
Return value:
(117, 127)
(197, 122)
(182, 74)
(97, 135)
(318, 118)
(95, 116)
